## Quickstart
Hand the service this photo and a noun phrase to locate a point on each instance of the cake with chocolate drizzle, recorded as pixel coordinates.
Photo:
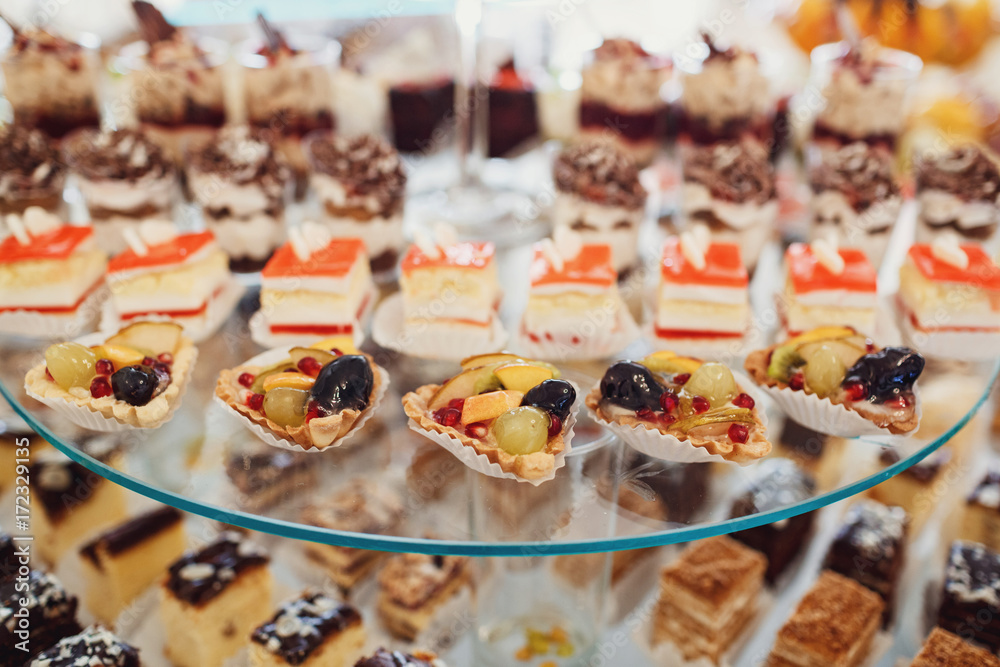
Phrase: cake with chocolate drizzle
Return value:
(94, 647)
(313, 630)
(31, 171)
(971, 594)
(386, 658)
(48, 609)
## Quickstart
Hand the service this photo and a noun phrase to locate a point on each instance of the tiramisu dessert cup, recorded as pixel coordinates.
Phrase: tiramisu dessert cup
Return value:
(620, 99)
(134, 378)
(958, 190)
(51, 82)
(241, 184)
(176, 82)
(124, 178)
(361, 186)
(836, 381)
(32, 173)
(305, 399)
(287, 87)
(855, 196)
(502, 415)
(863, 92)
(730, 188)
(681, 409)
(599, 196)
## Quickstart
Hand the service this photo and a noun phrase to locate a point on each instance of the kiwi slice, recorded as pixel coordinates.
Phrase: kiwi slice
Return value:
(784, 360)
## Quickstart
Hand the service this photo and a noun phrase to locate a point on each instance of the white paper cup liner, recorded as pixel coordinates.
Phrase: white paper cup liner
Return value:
(667, 447)
(482, 464)
(389, 331)
(601, 343)
(267, 436)
(32, 324)
(951, 345)
(218, 310)
(260, 331)
(823, 416)
(95, 421)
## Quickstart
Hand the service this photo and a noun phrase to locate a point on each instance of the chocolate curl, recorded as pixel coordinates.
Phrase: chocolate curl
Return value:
(275, 40)
(152, 26)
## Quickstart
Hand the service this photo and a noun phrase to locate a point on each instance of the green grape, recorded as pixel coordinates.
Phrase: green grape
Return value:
(824, 371)
(713, 381)
(286, 406)
(523, 430)
(71, 364)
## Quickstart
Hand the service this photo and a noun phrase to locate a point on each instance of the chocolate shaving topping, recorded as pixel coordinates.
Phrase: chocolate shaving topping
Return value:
(862, 173)
(121, 155)
(152, 25)
(243, 155)
(966, 172)
(366, 165)
(385, 658)
(28, 159)
(303, 625)
(275, 40)
(199, 577)
(94, 647)
(131, 533)
(40, 41)
(715, 53)
(600, 173)
(42, 594)
(411, 580)
(734, 172)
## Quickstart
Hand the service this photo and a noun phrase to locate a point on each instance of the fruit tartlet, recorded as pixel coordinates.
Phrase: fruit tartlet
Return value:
(837, 381)
(502, 415)
(133, 379)
(681, 409)
(304, 398)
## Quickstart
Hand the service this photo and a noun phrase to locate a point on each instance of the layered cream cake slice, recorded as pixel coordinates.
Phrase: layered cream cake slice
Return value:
(828, 286)
(164, 273)
(450, 288)
(412, 587)
(313, 630)
(47, 267)
(315, 286)
(703, 296)
(122, 562)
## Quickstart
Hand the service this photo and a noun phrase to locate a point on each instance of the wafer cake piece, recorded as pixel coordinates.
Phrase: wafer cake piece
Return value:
(970, 603)
(832, 626)
(869, 547)
(46, 609)
(312, 630)
(413, 586)
(943, 649)
(266, 478)
(212, 598)
(94, 647)
(981, 514)
(122, 562)
(361, 507)
(707, 597)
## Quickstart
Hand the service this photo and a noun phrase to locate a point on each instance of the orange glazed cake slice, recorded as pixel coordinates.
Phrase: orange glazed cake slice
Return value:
(828, 286)
(707, 597)
(122, 562)
(211, 600)
(413, 586)
(312, 630)
(833, 626)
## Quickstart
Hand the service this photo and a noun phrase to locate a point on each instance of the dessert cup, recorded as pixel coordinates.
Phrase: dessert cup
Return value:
(958, 191)
(32, 172)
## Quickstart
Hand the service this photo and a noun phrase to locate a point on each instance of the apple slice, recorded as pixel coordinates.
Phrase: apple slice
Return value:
(462, 385)
(822, 334)
(488, 406)
(343, 343)
(521, 376)
(151, 338)
(319, 354)
(119, 355)
(666, 361)
(479, 360)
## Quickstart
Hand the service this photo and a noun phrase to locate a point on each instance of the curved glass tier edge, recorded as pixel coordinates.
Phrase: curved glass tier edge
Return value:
(401, 544)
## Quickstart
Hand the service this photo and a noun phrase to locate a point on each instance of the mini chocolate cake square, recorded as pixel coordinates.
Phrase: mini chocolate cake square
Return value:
(39, 604)
(385, 658)
(413, 586)
(778, 483)
(311, 630)
(869, 548)
(94, 647)
(981, 514)
(970, 603)
(943, 649)
(266, 478)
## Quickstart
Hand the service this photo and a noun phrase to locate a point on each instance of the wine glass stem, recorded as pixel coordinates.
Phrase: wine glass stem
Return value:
(470, 97)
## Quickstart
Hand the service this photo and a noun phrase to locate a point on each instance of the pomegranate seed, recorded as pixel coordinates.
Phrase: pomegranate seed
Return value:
(700, 404)
(246, 379)
(337, 351)
(456, 403)
(555, 425)
(682, 378)
(645, 414)
(797, 381)
(148, 361)
(744, 401)
(450, 416)
(668, 401)
(49, 375)
(898, 402)
(166, 358)
(100, 387)
(667, 419)
(160, 367)
(739, 432)
(314, 410)
(856, 391)
(869, 345)
(309, 366)
(104, 367)
(476, 430)
(256, 402)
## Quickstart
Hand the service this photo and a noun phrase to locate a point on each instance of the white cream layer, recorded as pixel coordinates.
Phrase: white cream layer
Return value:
(123, 195)
(727, 89)
(940, 207)
(214, 192)
(738, 215)
(331, 190)
(855, 229)
(379, 234)
(624, 242)
(291, 301)
(859, 109)
(51, 283)
(255, 236)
